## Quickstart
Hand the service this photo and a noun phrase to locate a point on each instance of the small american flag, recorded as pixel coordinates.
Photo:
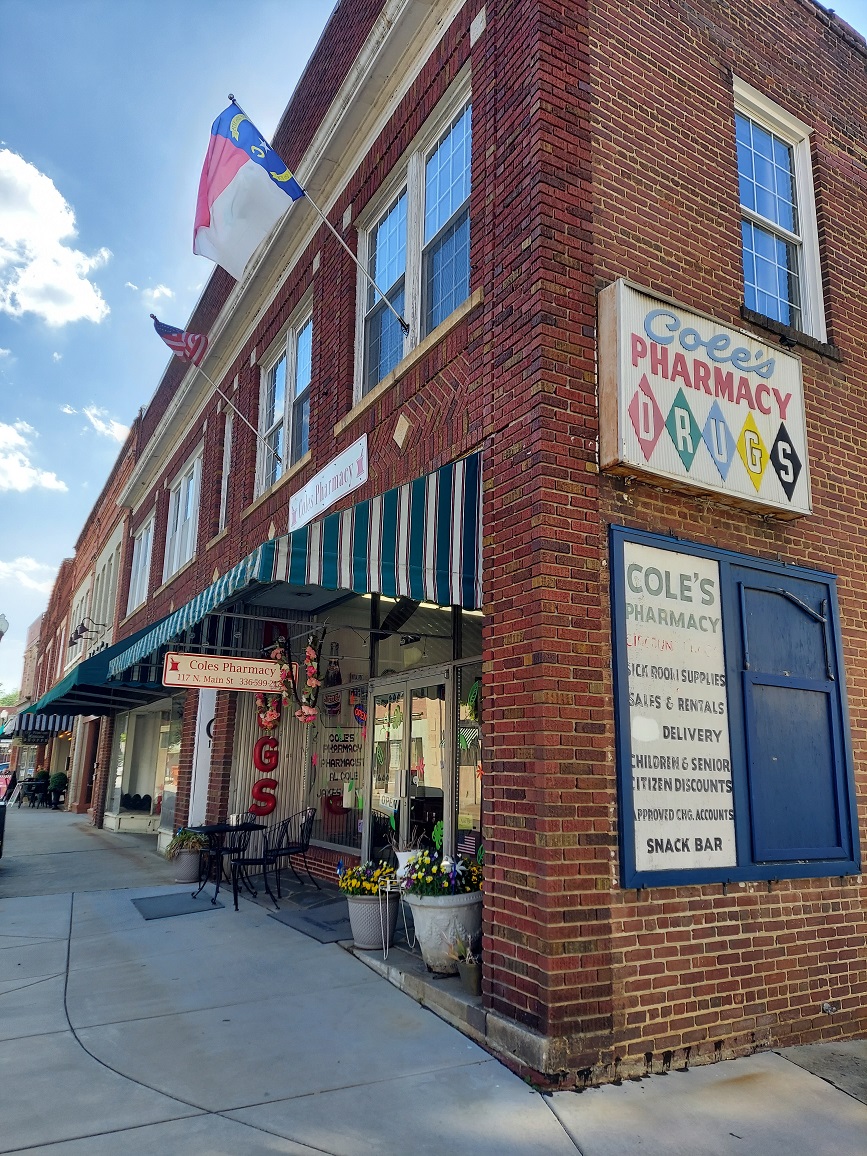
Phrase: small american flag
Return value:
(186, 346)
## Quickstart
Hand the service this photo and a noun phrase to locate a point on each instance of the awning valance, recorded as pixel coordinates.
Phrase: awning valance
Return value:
(421, 540)
(87, 689)
(23, 725)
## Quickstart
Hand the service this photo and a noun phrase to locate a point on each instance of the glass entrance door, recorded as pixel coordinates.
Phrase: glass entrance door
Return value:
(408, 764)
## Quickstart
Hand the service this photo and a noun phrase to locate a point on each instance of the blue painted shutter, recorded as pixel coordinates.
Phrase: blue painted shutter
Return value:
(793, 716)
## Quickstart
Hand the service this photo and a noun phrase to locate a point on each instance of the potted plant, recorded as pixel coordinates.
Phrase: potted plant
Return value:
(405, 850)
(185, 847)
(469, 966)
(57, 784)
(446, 901)
(372, 910)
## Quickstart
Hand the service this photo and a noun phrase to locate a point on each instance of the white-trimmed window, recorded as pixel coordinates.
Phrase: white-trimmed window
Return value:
(779, 235)
(141, 566)
(183, 517)
(228, 427)
(284, 408)
(417, 245)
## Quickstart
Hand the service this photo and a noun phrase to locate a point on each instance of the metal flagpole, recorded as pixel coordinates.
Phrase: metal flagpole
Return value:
(232, 405)
(403, 324)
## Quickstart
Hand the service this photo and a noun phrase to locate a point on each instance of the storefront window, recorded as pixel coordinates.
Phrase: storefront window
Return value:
(468, 759)
(168, 764)
(118, 751)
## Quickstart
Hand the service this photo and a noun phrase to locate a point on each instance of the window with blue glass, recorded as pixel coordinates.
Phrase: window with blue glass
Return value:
(779, 241)
(284, 403)
(418, 246)
(446, 258)
(769, 228)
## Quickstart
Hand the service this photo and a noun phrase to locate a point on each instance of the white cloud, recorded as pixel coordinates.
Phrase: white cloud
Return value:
(39, 271)
(57, 357)
(17, 472)
(29, 573)
(5, 352)
(129, 285)
(108, 428)
(158, 291)
(68, 409)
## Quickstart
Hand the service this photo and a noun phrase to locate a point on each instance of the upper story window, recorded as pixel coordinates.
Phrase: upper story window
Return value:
(183, 518)
(284, 410)
(417, 248)
(141, 565)
(782, 277)
(223, 513)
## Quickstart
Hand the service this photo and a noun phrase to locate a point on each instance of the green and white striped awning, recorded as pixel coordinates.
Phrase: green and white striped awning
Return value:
(421, 540)
(256, 567)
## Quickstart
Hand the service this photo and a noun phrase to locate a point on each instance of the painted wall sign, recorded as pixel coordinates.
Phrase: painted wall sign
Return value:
(686, 398)
(678, 711)
(222, 672)
(341, 476)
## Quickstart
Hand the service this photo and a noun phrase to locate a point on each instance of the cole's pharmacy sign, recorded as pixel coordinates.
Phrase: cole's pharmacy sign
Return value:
(701, 405)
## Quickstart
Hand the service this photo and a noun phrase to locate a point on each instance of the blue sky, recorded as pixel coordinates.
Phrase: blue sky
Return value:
(105, 115)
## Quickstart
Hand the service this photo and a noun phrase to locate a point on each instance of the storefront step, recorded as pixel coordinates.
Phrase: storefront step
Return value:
(443, 995)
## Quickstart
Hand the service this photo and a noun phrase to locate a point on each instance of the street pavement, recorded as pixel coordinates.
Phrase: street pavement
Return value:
(221, 1032)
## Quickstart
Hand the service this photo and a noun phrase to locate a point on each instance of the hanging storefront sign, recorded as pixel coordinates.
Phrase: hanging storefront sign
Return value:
(687, 399)
(340, 477)
(222, 672)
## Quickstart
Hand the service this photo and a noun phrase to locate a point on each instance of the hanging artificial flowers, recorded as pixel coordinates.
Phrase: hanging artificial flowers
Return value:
(268, 710)
(302, 683)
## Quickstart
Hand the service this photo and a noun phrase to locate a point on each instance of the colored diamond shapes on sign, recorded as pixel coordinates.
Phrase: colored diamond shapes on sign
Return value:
(753, 452)
(785, 460)
(646, 417)
(719, 440)
(683, 430)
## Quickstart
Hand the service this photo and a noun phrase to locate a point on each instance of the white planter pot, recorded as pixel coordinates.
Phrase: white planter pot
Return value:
(373, 919)
(187, 866)
(440, 920)
(404, 858)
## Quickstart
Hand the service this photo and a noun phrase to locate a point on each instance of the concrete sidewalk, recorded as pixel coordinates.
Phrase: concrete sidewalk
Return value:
(222, 1032)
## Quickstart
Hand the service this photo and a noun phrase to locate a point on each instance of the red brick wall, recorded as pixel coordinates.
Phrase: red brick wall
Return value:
(102, 780)
(549, 786)
(695, 967)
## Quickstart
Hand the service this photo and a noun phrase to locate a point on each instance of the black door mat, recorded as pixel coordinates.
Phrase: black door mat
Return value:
(162, 906)
(328, 924)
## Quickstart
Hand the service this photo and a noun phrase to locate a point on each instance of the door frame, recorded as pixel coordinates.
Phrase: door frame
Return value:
(406, 684)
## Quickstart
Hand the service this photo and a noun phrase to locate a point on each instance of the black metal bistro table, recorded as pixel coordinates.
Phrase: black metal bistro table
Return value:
(225, 840)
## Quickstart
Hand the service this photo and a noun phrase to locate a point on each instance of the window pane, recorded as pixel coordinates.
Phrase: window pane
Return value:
(771, 284)
(383, 339)
(447, 176)
(766, 174)
(301, 427)
(447, 272)
(303, 358)
(388, 249)
(271, 468)
(275, 393)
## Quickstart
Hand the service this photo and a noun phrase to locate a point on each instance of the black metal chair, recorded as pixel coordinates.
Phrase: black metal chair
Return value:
(224, 846)
(291, 838)
(252, 857)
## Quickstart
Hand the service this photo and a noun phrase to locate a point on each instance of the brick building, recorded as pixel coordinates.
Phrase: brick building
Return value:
(625, 241)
